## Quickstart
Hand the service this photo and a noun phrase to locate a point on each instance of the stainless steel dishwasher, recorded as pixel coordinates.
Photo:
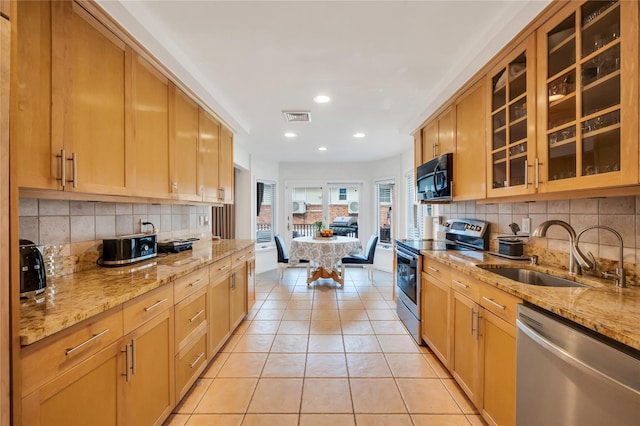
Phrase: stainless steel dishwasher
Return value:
(566, 375)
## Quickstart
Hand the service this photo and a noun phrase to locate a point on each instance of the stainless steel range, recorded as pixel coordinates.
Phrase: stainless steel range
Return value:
(462, 234)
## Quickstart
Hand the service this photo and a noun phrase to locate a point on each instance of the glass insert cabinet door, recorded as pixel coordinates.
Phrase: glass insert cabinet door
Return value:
(511, 140)
(588, 84)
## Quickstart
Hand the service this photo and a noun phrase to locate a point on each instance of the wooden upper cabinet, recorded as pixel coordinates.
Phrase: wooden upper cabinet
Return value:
(469, 171)
(439, 135)
(151, 130)
(5, 8)
(446, 132)
(89, 70)
(511, 135)
(31, 97)
(208, 157)
(225, 175)
(417, 149)
(429, 136)
(588, 96)
(183, 136)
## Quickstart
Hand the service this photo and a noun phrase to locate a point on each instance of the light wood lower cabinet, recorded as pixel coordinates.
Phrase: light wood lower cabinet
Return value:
(90, 388)
(132, 364)
(251, 278)
(219, 291)
(148, 389)
(238, 295)
(435, 317)
(466, 345)
(475, 322)
(499, 370)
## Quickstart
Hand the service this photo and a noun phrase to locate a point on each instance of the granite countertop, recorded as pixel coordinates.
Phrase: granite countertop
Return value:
(601, 307)
(74, 298)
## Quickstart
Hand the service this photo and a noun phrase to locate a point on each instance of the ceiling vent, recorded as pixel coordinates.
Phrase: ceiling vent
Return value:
(297, 116)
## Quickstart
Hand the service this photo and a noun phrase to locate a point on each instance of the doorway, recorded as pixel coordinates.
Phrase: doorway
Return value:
(310, 203)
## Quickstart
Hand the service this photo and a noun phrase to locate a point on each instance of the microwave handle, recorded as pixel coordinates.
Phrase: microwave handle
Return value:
(435, 173)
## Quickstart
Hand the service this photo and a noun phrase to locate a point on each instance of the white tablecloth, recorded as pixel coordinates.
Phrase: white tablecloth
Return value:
(325, 253)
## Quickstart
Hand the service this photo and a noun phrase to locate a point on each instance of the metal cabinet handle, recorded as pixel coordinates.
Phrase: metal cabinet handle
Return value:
(471, 317)
(193, 318)
(127, 373)
(461, 284)
(199, 357)
(223, 268)
(74, 168)
(242, 257)
(431, 268)
(526, 174)
(155, 305)
(537, 173)
(497, 305)
(95, 337)
(63, 170)
(195, 282)
(133, 356)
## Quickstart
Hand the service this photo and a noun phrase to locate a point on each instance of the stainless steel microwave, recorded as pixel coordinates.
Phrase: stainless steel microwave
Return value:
(434, 179)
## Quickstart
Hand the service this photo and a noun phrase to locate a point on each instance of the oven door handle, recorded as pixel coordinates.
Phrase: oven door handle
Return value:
(406, 256)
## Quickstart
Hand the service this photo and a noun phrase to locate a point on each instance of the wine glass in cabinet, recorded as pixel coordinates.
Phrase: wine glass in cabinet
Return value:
(587, 94)
(511, 140)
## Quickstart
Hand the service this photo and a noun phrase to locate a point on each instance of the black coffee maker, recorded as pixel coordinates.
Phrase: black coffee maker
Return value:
(32, 271)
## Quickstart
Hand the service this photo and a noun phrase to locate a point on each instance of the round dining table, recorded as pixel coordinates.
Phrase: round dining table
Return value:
(324, 254)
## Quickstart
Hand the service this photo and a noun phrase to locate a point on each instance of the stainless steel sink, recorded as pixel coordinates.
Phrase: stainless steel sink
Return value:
(527, 276)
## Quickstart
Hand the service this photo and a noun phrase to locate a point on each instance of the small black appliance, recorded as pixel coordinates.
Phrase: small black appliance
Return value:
(33, 278)
(128, 249)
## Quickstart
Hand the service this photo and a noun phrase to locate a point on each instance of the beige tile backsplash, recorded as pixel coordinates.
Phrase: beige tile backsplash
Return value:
(619, 213)
(72, 231)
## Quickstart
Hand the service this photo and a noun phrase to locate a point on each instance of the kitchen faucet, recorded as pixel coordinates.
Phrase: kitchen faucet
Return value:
(541, 231)
(589, 262)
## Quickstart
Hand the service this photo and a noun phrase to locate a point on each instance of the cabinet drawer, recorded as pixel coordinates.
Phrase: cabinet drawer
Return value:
(190, 314)
(221, 270)
(466, 285)
(145, 307)
(437, 270)
(238, 258)
(189, 284)
(500, 303)
(189, 364)
(46, 359)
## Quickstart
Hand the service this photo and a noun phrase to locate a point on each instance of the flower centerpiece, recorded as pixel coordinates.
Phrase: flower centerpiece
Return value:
(319, 227)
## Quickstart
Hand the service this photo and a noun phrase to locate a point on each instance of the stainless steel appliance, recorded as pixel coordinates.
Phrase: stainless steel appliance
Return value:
(434, 179)
(462, 234)
(128, 249)
(346, 226)
(33, 278)
(568, 375)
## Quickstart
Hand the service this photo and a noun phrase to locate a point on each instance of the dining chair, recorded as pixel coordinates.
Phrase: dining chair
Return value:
(365, 258)
(283, 257)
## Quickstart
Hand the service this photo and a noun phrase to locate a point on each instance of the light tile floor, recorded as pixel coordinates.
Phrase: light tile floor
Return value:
(324, 355)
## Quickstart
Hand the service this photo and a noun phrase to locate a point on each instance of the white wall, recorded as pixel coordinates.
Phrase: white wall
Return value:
(266, 257)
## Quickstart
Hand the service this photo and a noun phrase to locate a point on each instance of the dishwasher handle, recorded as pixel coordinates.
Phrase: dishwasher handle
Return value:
(556, 350)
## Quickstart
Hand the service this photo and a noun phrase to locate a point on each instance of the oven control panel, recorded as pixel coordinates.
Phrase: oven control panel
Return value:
(468, 227)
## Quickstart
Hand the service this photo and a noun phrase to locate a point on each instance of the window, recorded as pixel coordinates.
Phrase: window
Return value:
(342, 194)
(265, 211)
(384, 214)
(415, 211)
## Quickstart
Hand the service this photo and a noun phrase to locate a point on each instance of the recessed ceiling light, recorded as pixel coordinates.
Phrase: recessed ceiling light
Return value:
(321, 99)
(290, 135)
(322, 148)
(358, 135)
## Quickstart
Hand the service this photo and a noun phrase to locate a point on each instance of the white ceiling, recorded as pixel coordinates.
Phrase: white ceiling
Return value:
(385, 64)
